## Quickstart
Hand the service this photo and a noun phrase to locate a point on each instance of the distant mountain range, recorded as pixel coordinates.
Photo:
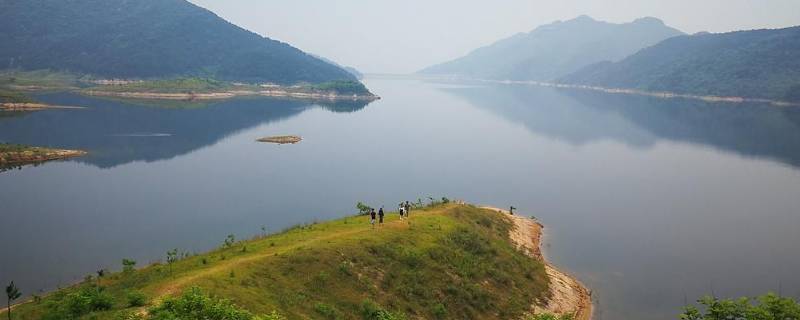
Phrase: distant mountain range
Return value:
(555, 50)
(753, 64)
(147, 39)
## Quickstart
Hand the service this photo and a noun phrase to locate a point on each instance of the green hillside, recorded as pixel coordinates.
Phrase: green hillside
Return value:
(555, 50)
(751, 64)
(147, 39)
(449, 262)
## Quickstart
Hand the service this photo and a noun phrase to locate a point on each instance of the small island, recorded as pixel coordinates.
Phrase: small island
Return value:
(281, 139)
(14, 155)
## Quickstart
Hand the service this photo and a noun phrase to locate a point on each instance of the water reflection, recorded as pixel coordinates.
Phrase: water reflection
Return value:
(580, 117)
(119, 132)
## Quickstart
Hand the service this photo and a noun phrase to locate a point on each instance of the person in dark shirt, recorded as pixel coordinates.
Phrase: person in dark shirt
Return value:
(380, 215)
(372, 217)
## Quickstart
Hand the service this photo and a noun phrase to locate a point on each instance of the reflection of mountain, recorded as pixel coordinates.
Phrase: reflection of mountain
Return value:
(578, 117)
(116, 132)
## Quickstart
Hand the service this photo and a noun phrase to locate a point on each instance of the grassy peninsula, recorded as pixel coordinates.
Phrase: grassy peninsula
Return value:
(15, 155)
(448, 261)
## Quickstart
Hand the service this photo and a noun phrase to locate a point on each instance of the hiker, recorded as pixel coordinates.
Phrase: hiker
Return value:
(408, 208)
(511, 211)
(401, 209)
(372, 217)
(380, 215)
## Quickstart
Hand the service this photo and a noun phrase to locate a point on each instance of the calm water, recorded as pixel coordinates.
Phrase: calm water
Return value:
(648, 201)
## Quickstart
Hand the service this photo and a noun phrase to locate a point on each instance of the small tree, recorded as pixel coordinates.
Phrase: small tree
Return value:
(12, 292)
(230, 240)
(128, 265)
(363, 209)
(100, 274)
(172, 256)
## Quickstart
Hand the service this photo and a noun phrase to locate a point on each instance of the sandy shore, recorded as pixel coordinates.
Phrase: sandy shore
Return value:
(19, 106)
(568, 295)
(229, 94)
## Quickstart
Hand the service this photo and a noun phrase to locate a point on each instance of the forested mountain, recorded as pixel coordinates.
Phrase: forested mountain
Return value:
(147, 39)
(555, 50)
(753, 64)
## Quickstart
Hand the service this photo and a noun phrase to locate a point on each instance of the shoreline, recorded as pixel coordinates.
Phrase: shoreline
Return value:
(29, 106)
(229, 94)
(568, 294)
(628, 91)
(35, 155)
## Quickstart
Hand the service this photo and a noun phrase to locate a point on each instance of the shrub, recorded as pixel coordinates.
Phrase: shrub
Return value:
(136, 299)
(194, 304)
(327, 311)
(128, 265)
(76, 304)
(769, 306)
(372, 311)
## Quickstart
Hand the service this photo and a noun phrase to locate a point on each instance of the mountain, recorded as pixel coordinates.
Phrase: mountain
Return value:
(752, 64)
(554, 50)
(349, 69)
(147, 39)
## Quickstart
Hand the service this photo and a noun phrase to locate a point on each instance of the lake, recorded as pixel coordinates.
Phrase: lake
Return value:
(650, 202)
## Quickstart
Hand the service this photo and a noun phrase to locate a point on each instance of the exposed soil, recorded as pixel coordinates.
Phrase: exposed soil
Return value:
(567, 294)
(282, 139)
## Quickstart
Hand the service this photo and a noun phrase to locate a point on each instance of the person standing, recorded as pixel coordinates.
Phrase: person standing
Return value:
(372, 217)
(408, 209)
(380, 215)
(401, 209)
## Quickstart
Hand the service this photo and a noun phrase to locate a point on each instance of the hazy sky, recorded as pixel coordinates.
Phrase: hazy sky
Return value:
(403, 36)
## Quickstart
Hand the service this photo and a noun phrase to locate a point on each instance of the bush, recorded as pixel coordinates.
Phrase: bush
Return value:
(136, 299)
(76, 304)
(194, 304)
(327, 311)
(766, 307)
(372, 311)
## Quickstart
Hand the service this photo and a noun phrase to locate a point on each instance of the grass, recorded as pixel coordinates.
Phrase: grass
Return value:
(180, 85)
(39, 79)
(450, 262)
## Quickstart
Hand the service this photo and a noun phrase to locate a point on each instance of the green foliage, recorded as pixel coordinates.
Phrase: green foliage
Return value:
(81, 302)
(194, 304)
(136, 298)
(372, 311)
(766, 307)
(128, 265)
(342, 87)
(327, 311)
(230, 240)
(363, 209)
(12, 293)
(172, 256)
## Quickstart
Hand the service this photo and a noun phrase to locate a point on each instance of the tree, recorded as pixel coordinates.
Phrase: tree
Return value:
(128, 265)
(767, 307)
(230, 240)
(172, 256)
(363, 209)
(12, 292)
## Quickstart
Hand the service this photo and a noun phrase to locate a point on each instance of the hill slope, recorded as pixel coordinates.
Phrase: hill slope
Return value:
(147, 39)
(557, 49)
(449, 262)
(752, 64)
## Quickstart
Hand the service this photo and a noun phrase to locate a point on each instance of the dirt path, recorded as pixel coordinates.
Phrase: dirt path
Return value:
(568, 295)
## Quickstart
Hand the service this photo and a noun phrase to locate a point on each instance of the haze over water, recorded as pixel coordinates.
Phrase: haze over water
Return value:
(649, 202)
